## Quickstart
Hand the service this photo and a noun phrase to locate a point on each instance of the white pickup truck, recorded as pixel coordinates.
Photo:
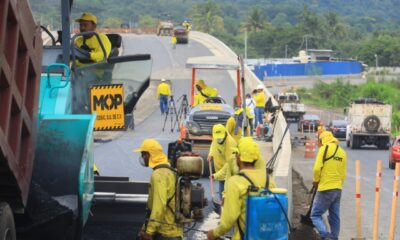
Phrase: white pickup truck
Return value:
(369, 123)
(291, 106)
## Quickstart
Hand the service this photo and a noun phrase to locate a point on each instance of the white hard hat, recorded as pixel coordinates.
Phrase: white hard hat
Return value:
(163, 80)
(260, 86)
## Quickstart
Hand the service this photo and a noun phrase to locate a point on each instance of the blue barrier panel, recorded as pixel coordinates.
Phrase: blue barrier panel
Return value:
(307, 69)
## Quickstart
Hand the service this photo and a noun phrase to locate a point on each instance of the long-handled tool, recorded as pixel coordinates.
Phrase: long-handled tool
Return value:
(306, 219)
(216, 203)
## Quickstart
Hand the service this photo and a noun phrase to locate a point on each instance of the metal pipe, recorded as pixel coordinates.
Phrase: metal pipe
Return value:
(120, 198)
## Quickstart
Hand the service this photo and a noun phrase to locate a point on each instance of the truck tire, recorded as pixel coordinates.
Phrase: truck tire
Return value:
(392, 164)
(7, 227)
(371, 123)
(354, 143)
(383, 144)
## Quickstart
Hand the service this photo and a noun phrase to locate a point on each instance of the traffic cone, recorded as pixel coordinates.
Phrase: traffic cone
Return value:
(310, 149)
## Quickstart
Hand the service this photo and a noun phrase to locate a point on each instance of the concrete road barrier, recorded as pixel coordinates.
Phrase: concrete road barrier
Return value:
(283, 167)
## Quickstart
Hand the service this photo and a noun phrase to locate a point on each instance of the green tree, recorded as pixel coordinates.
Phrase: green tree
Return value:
(256, 21)
(207, 17)
(112, 22)
(147, 21)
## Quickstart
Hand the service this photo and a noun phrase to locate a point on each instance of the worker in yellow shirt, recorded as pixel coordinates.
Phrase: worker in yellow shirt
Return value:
(203, 92)
(260, 99)
(163, 92)
(221, 153)
(235, 123)
(174, 41)
(329, 173)
(234, 212)
(90, 44)
(161, 200)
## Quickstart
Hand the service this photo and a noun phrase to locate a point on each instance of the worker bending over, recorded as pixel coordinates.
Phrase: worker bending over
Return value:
(203, 92)
(329, 174)
(160, 224)
(222, 154)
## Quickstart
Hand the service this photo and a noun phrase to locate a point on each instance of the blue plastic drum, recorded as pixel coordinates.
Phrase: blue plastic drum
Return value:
(265, 218)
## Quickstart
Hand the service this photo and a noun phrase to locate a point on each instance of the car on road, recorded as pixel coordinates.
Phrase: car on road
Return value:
(309, 122)
(394, 153)
(338, 128)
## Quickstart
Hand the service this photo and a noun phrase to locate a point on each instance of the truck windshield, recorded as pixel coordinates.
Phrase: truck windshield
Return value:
(131, 71)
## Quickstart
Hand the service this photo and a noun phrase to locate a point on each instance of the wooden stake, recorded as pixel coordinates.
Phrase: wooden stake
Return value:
(394, 201)
(358, 200)
(377, 199)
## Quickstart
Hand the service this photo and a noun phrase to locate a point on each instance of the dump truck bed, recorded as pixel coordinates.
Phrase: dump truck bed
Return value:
(20, 68)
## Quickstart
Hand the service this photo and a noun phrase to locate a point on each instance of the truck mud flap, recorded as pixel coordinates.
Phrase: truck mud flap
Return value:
(118, 210)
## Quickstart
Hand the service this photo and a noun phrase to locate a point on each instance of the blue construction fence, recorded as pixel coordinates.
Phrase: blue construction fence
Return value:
(307, 69)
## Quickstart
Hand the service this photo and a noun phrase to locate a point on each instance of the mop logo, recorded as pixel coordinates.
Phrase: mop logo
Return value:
(107, 102)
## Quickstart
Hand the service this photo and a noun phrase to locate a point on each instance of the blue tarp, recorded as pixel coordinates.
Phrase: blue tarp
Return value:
(308, 69)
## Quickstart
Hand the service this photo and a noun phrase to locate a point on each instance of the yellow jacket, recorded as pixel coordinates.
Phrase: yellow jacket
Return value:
(230, 127)
(96, 55)
(260, 99)
(235, 201)
(174, 40)
(207, 92)
(223, 155)
(163, 89)
(332, 173)
(161, 189)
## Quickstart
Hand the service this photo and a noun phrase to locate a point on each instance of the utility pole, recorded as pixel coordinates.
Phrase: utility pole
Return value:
(376, 66)
(306, 42)
(245, 44)
(286, 51)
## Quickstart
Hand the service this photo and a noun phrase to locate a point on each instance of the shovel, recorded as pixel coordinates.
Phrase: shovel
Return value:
(216, 203)
(306, 219)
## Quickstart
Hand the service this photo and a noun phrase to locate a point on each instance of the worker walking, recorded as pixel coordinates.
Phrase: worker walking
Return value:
(234, 211)
(329, 173)
(203, 92)
(174, 41)
(160, 224)
(222, 155)
(250, 103)
(259, 98)
(163, 92)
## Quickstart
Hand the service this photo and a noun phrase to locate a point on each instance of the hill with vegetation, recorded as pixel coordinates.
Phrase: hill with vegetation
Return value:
(352, 28)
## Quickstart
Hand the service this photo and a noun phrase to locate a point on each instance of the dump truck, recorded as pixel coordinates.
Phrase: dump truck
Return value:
(47, 185)
(369, 123)
(291, 107)
(165, 28)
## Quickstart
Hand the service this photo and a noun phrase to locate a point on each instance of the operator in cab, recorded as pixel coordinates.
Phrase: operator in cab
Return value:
(203, 92)
(160, 220)
(90, 45)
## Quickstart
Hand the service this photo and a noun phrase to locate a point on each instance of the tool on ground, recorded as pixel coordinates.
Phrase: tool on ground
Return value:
(306, 219)
(171, 112)
(216, 203)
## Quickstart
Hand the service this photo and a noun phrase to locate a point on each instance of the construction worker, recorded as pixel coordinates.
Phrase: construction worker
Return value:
(259, 97)
(203, 92)
(163, 92)
(329, 173)
(235, 123)
(234, 211)
(174, 41)
(90, 44)
(161, 202)
(250, 103)
(221, 153)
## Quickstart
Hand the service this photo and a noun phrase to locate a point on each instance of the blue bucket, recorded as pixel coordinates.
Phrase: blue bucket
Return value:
(265, 218)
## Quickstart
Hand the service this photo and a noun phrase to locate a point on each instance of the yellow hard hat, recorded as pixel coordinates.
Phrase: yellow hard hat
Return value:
(327, 137)
(154, 148)
(87, 16)
(249, 150)
(218, 131)
(200, 83)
